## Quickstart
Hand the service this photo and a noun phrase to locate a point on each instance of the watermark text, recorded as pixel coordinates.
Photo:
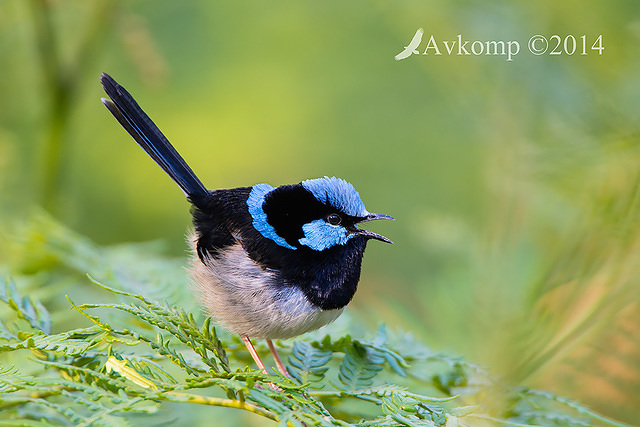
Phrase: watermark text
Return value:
(536, 45)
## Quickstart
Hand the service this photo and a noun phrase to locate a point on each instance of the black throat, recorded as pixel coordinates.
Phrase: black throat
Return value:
(329, 279)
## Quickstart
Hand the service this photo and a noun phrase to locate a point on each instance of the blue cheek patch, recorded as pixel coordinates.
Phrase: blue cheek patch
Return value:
(320, 235)
(260, 223)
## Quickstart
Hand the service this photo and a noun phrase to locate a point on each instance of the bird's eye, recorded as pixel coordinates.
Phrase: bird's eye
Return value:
(334, 219)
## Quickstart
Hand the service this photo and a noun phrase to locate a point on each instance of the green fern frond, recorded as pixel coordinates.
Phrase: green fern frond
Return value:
(165, 348)
(104, 415)
(202, 340)
(395, 361)
(5, 332)
(160, 344)
(359, 365)
(101, 380)
(538, 398)
(33, 312)
(75, 342)
(393, 358)
(308, 364)
(139, 354)
(147, 366)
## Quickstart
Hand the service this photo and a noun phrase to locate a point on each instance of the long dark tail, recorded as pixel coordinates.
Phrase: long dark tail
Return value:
(135, 121)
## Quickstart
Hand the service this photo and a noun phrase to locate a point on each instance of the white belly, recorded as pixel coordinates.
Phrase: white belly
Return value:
(244, 298)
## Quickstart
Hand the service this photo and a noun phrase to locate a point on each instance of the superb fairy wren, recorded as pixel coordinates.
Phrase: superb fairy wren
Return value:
(267, 262)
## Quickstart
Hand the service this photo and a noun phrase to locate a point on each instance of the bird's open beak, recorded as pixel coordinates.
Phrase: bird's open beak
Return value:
(371, 234)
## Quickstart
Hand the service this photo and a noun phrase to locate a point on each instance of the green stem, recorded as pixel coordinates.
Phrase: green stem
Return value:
(174, 396)
(58, 101)
(62, 82)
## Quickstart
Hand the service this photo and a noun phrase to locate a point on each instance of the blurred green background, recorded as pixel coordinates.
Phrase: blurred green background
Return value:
(514, 184)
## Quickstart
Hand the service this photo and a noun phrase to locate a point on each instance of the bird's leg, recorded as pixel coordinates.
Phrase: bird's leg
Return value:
(276, 357)
(254, 353)
(257, 359)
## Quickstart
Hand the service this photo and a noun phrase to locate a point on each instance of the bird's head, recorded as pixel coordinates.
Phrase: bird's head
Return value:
(316, 214)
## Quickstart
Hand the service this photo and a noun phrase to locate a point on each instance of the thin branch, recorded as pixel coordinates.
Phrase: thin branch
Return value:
(62, 81)
(174, 396)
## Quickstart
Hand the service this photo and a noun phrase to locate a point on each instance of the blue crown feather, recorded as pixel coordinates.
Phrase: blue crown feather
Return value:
(338, 193)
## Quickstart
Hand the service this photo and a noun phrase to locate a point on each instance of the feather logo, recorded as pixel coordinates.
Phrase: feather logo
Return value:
(411, 48)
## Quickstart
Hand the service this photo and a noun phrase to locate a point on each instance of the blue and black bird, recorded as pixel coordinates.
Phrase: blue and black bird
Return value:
(267, 262)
